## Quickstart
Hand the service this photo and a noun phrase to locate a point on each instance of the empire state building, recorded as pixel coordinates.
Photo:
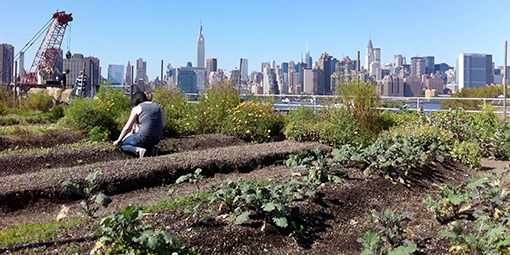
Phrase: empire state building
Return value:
(201, 49)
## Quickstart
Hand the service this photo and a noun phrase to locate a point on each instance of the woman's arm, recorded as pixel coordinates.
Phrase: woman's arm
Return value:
(129, 124)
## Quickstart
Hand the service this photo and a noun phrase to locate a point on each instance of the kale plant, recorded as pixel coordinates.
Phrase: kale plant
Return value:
(86, 193)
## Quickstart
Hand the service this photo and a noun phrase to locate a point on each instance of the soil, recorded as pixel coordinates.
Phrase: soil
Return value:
(333, 219)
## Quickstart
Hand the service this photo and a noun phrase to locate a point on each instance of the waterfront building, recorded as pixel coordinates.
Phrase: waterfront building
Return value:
(432, 82)
(474, 70)
(412, 86)
(393, 85)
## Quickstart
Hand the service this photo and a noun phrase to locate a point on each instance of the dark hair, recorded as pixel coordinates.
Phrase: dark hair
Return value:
(67, 71)
(137, 98)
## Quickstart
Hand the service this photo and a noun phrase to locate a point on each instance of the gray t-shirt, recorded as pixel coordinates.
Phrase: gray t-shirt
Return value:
(150, 120)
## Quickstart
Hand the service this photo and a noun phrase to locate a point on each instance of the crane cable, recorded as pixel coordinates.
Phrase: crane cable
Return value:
(69, 38)
(32, 41)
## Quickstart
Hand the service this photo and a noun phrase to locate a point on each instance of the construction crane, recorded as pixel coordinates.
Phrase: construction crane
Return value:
(46, 56)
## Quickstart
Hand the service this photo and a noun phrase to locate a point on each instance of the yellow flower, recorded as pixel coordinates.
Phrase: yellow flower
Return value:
(247, 131)
(187, 124)
(355, 132)
(269, 130)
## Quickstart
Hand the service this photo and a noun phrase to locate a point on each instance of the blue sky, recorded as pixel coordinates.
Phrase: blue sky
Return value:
(120, 31)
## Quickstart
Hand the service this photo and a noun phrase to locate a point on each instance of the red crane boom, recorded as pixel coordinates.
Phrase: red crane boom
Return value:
(46, 57)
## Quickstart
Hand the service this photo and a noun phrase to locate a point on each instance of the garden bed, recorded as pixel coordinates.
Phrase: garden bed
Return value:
(333, 220)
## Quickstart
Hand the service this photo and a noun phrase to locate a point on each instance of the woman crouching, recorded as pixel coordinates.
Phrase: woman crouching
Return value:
(152, 120)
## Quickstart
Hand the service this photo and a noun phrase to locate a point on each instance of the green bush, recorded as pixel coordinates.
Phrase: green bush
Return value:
(212, 109)
(57, 112)
(253, 121)
(177, 111)
(361, 99)
(114, 102)
(468, 153)
(332, 126)
(99, 134)
(84, 115)
(39, 101)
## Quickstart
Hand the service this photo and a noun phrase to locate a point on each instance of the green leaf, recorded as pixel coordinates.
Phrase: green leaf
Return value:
(448, 234)
(404, 250)
(152, 243)
(280, 220)
(243, 217)
(269, 207)
(371, 240)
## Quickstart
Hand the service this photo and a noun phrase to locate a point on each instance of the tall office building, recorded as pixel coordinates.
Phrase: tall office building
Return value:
(244, 70)
(6, 58)
(141, 72)
(128, 74)
(201, 49)
(90, 66)
(211, 65)
(263, 65)
(116, 74)
(417, 67)
(474, 70)
(369, 57)
(325, 65)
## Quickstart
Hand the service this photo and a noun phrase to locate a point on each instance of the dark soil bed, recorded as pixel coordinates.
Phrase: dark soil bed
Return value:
(333, 219)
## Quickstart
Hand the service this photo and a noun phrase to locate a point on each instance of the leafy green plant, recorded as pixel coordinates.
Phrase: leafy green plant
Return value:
(39, 101)
(99, 134)
(468, 153)
(86, 193)
(127, 235)
(453, 201)
(488, 239)
(192, 178)
(392, 150)
(390, 227)
(374, 245)
(269, 203)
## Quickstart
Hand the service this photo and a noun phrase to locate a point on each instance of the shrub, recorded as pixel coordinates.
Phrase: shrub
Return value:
(220, 96)
(57, 112)
(114, 102)
(332, 126)
(99, 134)
(176, 107)
(468, 153)
(83, 115)
(361, 99)
(253, 121)
(39, 101)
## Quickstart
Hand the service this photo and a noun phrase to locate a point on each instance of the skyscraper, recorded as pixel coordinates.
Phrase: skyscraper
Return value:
(116, 74)
(201, 49)
(244, 70)
(325, 65)
(474, 70)
(6, 68)
(211, 65)
(128, 74)
(141, 72)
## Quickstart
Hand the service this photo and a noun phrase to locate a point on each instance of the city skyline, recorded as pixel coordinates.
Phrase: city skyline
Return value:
(117, 32)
